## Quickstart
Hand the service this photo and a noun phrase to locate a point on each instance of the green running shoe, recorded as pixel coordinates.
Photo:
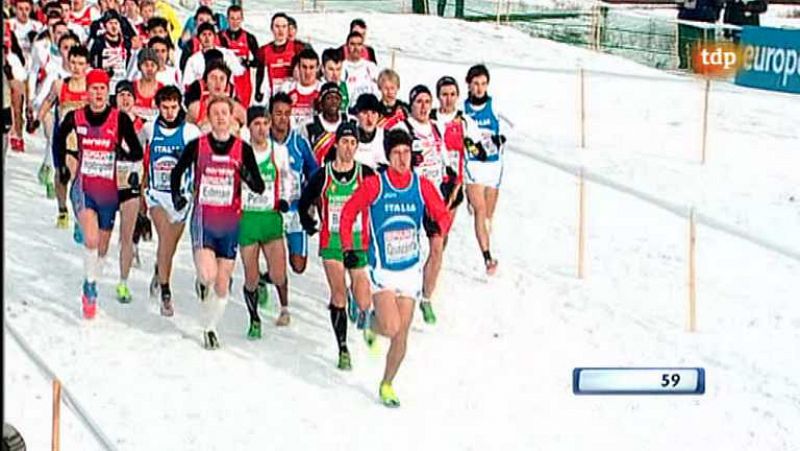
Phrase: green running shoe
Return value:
(345, 363)
(254, 332)
(427, 312)
(45, 174)
(388, 396)
(123, 293)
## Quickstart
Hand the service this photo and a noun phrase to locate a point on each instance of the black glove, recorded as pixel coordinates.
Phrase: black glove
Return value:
(283, 206)
(259, 97)
(31, 125)
(475, 150)
(416, 159)
(63, 174)
(350, 259)
(499, 140)
(309, 224)
(179, 202)
(143, 230)
(133, 180)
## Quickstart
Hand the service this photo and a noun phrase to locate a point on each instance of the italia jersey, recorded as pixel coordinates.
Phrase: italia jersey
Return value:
(396, 219)
(164, 149)
(489, 126)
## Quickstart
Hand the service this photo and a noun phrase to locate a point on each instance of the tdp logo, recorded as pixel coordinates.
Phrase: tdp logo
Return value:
(718, 59)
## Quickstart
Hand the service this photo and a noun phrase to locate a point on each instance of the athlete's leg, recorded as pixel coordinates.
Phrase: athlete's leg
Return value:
(275, 253)
(169, 235)
(298, 251)
(47, 124)
(360, 286)
(334, 272)
(432, 266)
(127, 212)
(477, 199)
(250, 262)
(224, 271)
(205, 261)
(402, 311)
(17, 100)
(491, 195)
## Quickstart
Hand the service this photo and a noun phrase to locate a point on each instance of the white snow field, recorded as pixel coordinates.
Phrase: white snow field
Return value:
(495, 372)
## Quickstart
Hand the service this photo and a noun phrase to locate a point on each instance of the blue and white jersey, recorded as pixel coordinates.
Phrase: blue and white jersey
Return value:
(395, 221)
(489, 127)
(301, 165)
(165, 148)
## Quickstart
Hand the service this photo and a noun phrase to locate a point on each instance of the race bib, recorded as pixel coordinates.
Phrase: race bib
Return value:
(97, 164)
(216, 191)
(253, 201)
(291, 222)
(291, 187)
(124, 170)
(400, 245)
(488, 145)
(162, 171)
(431, 172)
(335, 207)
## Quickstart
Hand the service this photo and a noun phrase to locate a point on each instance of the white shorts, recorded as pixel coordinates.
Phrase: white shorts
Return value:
(161, 199)
(484, 173)
(407, 283)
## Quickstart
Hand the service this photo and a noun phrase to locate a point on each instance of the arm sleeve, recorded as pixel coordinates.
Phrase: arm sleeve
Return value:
(434, 205)
(127, 133)
(60, 142)
(366, 193)
(96, 54)
(311, 193)
(260, 69)
(187, 159)
(252, 45)
(250, 173)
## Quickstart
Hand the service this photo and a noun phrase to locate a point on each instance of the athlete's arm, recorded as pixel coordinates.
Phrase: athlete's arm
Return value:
(310, 196)
(365, 194)
(50, 100)
(252, 45)
(310, 165)
(249, 172)
(434, 205)
(261, 62)
(127, 133)
(186, 161)
(60, 142)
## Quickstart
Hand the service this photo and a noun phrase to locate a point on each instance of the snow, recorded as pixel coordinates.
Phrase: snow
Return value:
(495, 372)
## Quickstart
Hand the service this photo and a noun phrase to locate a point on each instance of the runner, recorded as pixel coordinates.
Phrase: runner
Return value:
(304, 90)
(330, 188)
(129, 193)
(216, 83)
(484, 170)
(370, 136)
(332, 73)
(261, 226)
(166, 74)
(71, 94)
(397, 200)
(146, 87)
(321, 131)
(101, 131)
(276, 57)
(431, 163)
(393, 111)
(359, 73)
(367, 52)
(301, 166)
(197, 63)
(112, 50)
(221, 163)
(245, 46)
(165, 141)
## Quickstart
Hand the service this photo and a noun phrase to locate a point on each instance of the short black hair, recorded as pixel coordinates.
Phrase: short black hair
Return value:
(155, 22)
(278, 16)
(68, 35)
(357, 23)
(235, 8)
(206, 26)
(78, 50)
(217, 65)
(354, 34)
(203, 10)
(476, 71)
(292, 21)
(168, 92)
(331, 54)
(280, 97)
(308, 53)
(159, 40)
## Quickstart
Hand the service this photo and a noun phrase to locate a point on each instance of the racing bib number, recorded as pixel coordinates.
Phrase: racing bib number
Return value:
(335, 206)
(291, 222)
(253, 201)
(99, 164)
(488, 144)
(162, 171)
(124, 170)
(216, 191)
(400, 245)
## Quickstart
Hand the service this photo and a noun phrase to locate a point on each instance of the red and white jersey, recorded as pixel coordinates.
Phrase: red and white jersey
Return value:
(303, 99)
(428, 141)
(21, 31)
(144, 107)
(278, 62)
(196, 65)
(170, 76)
(457, 127)
(84, 17)
(361, 78)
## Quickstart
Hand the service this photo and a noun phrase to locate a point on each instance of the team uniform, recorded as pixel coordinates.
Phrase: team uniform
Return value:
(370, 148)
(278, 62)
(397, 205)
(488, 171)
(460, 132)
(164, 149)
(301, 165)
(111, 56)
(145, 107)
(243, 45)
(261, 220)
(68, 100)
(303, 100)
(321, 134)
(393, 115)
(360, 79)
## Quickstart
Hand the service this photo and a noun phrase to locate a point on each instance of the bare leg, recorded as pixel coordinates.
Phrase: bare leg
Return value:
(168, 237)
(478, 202)
(334, 271)
(275, 252)
(127, 213)
(432, 266)
(394, 316)
(361, 288)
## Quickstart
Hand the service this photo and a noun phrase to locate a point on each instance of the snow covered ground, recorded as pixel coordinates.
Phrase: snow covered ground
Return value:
(495, 373)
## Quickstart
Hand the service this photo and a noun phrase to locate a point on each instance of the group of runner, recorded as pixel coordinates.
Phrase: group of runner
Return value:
(167, 124)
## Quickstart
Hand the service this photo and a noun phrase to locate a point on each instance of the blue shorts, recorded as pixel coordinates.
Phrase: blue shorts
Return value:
(82, 201)
(224, 245)
(57, 163)
(297, 243)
